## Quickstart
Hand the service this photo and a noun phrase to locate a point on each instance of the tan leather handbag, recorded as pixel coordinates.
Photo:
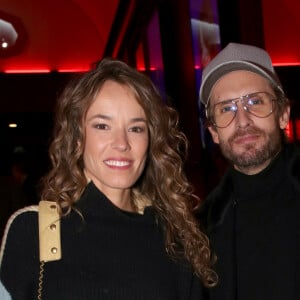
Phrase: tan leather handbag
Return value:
(49, 237)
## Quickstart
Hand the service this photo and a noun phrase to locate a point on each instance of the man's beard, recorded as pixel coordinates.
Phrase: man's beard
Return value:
(251, 156)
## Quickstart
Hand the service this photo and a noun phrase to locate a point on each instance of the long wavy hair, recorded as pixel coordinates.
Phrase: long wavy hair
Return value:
(163, 181)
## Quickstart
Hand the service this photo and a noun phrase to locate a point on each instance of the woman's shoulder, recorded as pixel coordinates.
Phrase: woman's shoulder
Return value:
(4, 295)
(21, 226)
(19, 254)
(24, 216)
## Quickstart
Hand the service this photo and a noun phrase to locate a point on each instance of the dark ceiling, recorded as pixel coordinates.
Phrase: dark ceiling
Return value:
(42, 43)
(55, 35)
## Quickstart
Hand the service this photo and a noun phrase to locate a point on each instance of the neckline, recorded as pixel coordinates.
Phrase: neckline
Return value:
(93, 202)
(252, 186)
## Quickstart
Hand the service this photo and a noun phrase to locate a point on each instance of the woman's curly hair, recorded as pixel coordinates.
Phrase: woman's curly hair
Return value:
(163, 181)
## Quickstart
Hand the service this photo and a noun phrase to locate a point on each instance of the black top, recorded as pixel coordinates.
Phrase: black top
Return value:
(254, 226)
(111, 254)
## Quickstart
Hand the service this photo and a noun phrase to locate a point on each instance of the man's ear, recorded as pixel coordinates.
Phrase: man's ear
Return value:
(214, 134)
(284, 118)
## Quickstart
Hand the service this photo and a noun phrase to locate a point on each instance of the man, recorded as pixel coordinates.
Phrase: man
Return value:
(252, 217)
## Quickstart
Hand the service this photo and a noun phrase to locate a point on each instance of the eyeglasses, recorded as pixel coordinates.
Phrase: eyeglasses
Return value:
(258, 104)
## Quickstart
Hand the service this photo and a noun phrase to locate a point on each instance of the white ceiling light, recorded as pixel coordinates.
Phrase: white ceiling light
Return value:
(8, 34)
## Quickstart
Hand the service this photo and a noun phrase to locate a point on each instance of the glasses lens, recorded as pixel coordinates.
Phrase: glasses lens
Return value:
(224, 113)
(259, 104)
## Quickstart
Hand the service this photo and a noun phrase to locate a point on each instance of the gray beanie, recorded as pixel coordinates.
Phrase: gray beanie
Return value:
(236, 57)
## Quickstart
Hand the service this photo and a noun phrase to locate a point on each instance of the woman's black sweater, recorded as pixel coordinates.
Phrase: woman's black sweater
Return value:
(110, 254)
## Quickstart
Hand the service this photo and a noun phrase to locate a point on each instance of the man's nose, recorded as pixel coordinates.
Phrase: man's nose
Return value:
(243, 117)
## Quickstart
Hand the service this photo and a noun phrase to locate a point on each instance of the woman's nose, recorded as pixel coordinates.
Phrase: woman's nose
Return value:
(120, 141)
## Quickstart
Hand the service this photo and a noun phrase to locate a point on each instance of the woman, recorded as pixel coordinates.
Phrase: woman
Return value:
(4, 295)
(127, 224)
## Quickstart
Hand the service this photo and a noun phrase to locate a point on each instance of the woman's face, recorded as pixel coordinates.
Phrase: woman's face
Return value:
(117, 139)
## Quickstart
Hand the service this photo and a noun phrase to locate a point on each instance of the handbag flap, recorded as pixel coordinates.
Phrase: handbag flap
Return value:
(49, 231)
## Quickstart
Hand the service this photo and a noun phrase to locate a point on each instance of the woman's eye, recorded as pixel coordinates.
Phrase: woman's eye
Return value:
(137, 129)
(101, 126)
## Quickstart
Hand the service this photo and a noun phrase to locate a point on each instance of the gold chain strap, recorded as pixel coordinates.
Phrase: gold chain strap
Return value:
(41, 280)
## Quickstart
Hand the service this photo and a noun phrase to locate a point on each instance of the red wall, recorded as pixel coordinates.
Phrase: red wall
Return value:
(282, 30)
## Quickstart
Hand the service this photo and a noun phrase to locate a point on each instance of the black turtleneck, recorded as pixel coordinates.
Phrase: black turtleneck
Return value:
(109, 254)
(249, 187)
(254, 226)
(261, 228)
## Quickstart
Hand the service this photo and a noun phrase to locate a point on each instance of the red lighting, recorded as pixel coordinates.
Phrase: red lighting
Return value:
(297, 129)
(281, 22)
(43, 70)
(68, 41)
(289, 131)
(74, 70)
(286, 64)
(293, 130)
(124, 28)
(24, 71)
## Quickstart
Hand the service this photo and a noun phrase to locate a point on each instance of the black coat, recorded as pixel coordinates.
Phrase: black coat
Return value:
(257, 240)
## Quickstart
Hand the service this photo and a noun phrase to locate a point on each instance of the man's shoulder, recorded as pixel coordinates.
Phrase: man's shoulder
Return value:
(222, 188)
(216, 202)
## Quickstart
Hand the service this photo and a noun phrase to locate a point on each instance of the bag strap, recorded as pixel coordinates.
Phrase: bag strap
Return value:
(49, 231)
(49, 238)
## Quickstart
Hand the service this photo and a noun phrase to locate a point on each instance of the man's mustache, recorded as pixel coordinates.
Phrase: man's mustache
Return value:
(243, 132)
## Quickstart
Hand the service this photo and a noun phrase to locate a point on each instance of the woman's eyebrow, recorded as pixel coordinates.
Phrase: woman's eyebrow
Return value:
(99, 116)
(106, 117)
(140, 119)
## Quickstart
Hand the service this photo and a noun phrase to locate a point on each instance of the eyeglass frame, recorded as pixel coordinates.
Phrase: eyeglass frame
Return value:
(240, 99)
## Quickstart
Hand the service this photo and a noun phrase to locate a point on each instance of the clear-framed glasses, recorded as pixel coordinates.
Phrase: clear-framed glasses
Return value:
(260, 104)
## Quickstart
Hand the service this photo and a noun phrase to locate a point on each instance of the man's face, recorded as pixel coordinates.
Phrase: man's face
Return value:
(248, 142)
